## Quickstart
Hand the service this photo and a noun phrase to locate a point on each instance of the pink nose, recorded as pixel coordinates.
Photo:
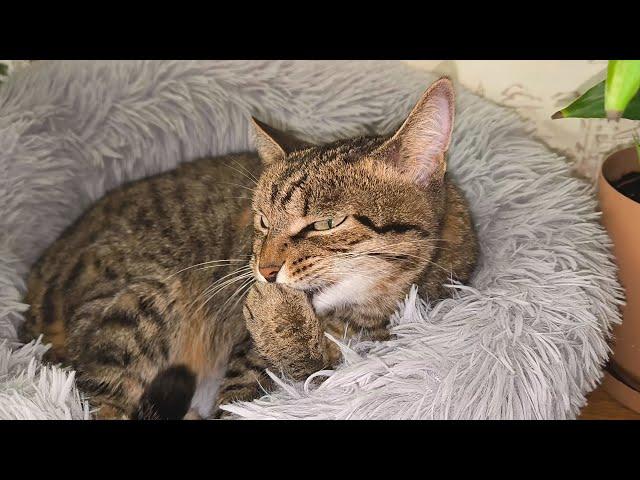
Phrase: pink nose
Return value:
(270, 272)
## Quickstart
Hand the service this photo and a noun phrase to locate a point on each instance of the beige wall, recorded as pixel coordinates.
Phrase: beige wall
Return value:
(538, 88)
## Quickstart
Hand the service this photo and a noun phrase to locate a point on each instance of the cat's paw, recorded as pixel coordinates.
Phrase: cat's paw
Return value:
(285, 328)
(275, 302)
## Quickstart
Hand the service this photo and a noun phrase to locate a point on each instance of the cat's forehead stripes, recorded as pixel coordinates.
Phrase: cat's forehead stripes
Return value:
(327, 161)
(297, 182)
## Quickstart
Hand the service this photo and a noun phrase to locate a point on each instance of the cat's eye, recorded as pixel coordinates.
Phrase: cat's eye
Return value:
(328, 223)
(263, 222)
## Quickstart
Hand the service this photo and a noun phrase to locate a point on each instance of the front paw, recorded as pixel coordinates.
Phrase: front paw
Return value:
(285, 329)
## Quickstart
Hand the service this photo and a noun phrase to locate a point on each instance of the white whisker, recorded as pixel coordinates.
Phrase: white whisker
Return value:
(238, 185)
(241, 173)
(223, 262)
(245, 169)
(221, 283)
(236, 293)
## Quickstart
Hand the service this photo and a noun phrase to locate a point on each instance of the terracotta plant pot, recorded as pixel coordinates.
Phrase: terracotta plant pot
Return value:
(621, 217)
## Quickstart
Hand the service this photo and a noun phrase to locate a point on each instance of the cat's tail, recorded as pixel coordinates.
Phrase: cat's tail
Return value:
(168, 396)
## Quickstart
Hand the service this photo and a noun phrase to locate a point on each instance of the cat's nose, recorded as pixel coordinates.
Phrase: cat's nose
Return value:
(270, 272)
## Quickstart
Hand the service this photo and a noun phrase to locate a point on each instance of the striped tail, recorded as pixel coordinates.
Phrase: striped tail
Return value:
(168, 396)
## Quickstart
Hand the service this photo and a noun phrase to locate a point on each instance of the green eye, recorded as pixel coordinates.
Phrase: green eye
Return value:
(328, 224)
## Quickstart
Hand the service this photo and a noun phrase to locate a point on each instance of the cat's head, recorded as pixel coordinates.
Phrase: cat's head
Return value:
(355, 221)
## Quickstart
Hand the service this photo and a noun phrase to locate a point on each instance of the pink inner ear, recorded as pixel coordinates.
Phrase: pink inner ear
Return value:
(425, 137)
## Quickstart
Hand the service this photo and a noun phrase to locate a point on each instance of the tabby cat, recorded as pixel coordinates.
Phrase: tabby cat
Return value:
(173, 294)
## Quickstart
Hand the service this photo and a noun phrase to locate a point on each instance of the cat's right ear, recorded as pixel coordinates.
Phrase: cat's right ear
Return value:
(418, 148)
(272, 144)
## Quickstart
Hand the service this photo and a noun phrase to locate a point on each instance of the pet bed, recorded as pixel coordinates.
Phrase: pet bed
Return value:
(526, 339)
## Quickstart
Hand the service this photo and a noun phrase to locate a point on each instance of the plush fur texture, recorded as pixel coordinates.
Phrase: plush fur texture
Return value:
(526, 339)
(30, 390)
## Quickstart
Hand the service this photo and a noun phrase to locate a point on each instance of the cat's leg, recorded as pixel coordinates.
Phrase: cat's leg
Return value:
(245, 377)
(287, 332)
(118, 345)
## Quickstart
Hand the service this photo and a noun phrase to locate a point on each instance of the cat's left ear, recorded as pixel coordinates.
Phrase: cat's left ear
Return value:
(418, 148)
(272, 144)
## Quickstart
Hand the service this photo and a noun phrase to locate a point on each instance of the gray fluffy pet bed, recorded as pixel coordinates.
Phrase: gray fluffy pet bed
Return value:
(527, 338)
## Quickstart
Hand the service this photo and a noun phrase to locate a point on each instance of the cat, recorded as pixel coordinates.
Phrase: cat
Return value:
(173, 294)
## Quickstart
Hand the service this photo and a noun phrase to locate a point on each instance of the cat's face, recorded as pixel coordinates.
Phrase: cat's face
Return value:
(358, 220)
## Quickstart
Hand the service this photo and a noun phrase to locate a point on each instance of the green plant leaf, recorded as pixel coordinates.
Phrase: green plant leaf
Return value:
(623, 83)
(591, 105)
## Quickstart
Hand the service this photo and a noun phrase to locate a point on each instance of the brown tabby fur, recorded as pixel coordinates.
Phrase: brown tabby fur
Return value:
(126, 292)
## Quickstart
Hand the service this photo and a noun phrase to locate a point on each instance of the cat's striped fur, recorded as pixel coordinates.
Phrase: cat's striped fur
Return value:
(111, 296)
(144, 295)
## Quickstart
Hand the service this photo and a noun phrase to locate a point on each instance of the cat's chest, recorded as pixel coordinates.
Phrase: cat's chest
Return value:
(206, 326)
(207, 330)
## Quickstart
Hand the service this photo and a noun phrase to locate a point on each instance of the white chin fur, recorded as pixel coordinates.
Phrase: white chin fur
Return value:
(283, 276)
(346, 292)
